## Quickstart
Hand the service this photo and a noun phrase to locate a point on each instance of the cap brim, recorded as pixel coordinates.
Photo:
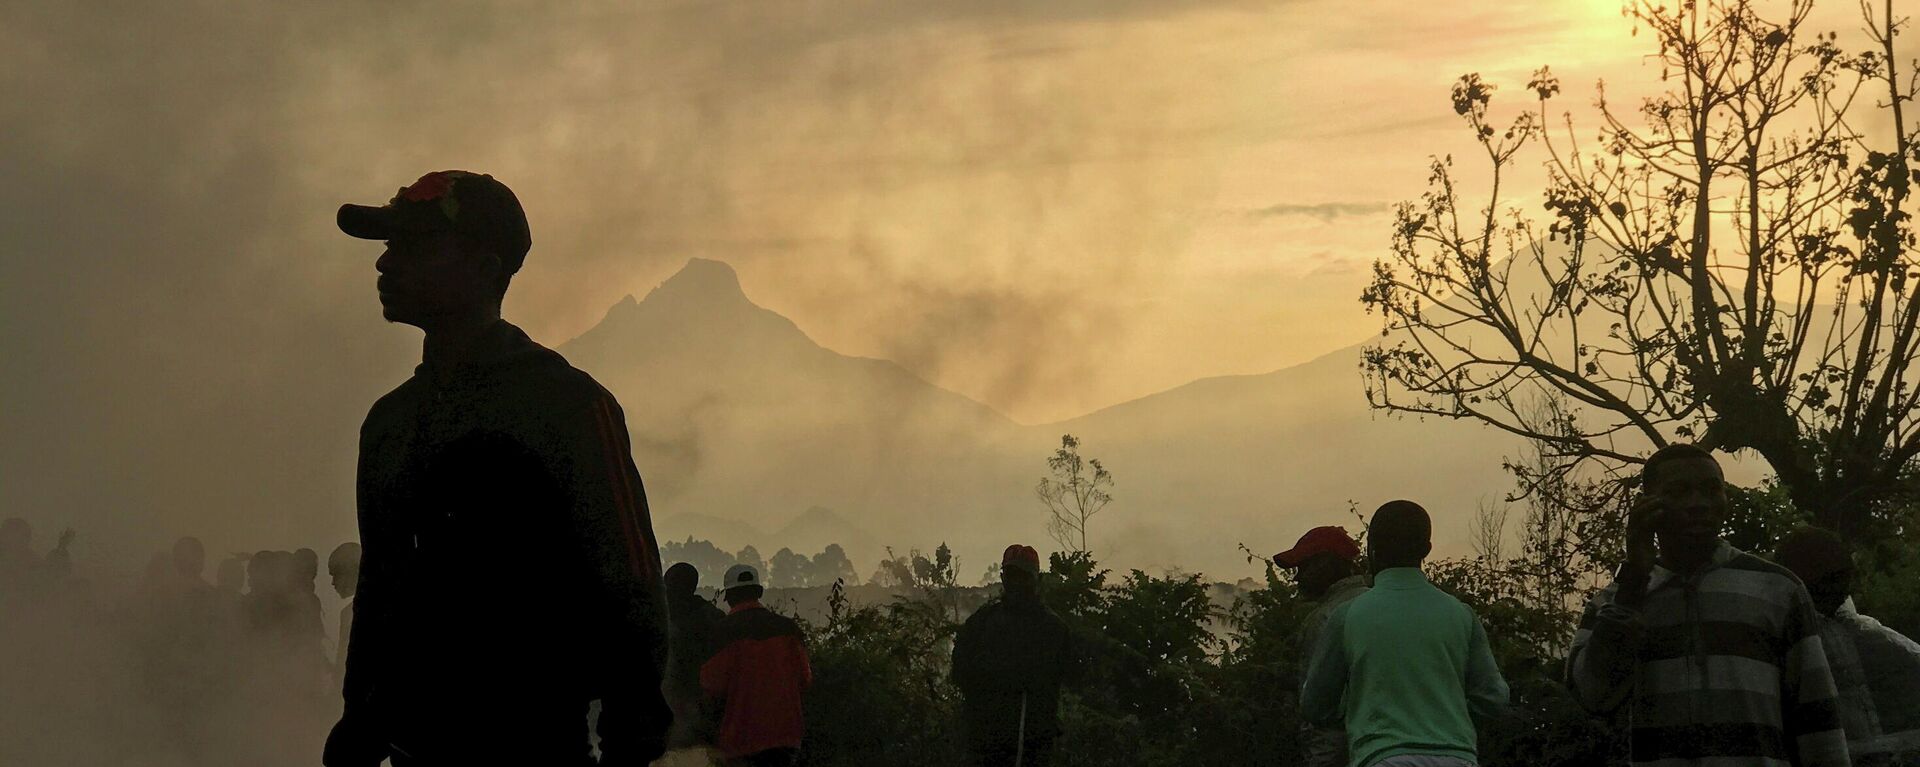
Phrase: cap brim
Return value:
(1289, 558)
(368, 222)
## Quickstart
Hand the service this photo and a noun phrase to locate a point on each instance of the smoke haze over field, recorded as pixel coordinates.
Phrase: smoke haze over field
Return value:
(1049, 208)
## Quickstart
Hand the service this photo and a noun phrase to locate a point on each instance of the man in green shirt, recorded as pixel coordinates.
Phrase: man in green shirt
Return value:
(1405, 666)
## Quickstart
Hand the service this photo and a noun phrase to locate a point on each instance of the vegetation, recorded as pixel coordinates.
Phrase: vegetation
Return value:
(1074, 490)
(1732, 264)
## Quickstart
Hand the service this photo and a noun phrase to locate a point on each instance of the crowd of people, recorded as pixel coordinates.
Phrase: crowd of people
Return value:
(167, 664)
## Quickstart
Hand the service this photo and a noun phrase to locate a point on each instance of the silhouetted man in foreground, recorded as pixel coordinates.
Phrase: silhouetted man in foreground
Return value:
(757, 678)
(1876, 669)
(1010, 660)
(496, 450)
(694, 621)
(1406, 666)
(1323, 561)
(1716, 651)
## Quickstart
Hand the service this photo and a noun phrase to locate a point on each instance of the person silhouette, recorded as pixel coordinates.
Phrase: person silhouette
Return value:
(496, 449)
(693, 621)
(1323, 565)
(1876, 670)
(343, 566)
(1405, 666)
(190, 563)
(757, 677)
(1715, 652)
(1010, 660)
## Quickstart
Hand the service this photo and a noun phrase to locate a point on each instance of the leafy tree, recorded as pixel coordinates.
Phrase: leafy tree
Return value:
(789, 570)
(1073, 492)
(1733, 268)
(831, 564)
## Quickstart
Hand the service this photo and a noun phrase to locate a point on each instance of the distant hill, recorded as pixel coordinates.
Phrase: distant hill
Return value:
(739, 419)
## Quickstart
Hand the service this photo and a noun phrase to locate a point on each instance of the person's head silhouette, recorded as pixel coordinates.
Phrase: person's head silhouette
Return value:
(1020, 572)
(306, 568)
(454, 241)
(1321, 557)
(681, 579)
(1824, 564)
(1400, 535)
(189, 558)
(343, 565)
(741, 585)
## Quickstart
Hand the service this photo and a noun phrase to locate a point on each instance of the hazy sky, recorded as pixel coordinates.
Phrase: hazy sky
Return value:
(1048, 206)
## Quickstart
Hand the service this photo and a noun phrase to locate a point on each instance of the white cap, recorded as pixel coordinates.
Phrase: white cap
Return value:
(740, 575)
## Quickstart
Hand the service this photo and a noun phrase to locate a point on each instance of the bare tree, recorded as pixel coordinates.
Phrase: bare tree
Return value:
(1073, 492)
(1735, 269)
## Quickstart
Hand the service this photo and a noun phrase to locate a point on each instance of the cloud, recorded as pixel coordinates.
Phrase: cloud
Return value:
(1325, 211)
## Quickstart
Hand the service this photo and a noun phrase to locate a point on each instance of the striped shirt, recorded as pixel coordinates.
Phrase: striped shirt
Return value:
(1878, 673)
(1723, 667)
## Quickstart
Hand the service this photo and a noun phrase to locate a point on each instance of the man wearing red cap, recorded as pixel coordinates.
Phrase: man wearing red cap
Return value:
(496, 450)
(1323, 565)
(1010, 661)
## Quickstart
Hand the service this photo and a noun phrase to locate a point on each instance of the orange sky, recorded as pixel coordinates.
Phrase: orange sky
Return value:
(1050, 207)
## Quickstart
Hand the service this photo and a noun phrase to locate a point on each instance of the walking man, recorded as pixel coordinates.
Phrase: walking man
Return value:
(1716, 652)
(757, 678)
(1405, 666)
(1323, 565)
(1876, 670)
(497, 474)
(690, 643)
(1010, 660)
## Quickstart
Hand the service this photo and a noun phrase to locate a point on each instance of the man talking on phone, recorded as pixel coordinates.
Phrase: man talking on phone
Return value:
(1715, 651)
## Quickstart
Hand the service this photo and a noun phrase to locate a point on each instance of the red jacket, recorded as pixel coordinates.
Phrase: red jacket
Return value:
(757, 676)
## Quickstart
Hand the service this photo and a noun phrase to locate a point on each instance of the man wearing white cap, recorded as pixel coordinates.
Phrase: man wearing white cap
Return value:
(757, 677)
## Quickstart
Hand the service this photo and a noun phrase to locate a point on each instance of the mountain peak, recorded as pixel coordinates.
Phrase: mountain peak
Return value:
(704, 278)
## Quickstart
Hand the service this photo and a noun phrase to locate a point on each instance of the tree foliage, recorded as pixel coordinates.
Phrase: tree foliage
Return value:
(1731, 263)
(1074, 490)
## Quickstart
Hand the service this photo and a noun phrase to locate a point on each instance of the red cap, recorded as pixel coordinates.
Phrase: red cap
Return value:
(1320, 540)
(1021, 557)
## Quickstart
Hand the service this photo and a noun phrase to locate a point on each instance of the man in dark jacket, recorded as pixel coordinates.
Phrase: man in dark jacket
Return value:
(757, 678)
(1010, 660)
(495, 450)
(690, 643)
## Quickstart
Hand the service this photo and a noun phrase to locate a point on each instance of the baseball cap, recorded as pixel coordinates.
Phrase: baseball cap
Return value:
(1021, 557)
(740, 575)
(472, 204)
(1330, 539)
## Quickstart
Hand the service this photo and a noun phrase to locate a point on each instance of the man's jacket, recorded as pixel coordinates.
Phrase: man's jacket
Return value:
(691, 642)
(1722, 666)
(1877, 671)
(1008, 650)
(509, 567)
(758, 677)
(1406, 667)
(1325, 746)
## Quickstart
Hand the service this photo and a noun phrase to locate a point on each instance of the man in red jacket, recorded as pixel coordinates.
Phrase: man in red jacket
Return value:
(757, 677)
(496, 449)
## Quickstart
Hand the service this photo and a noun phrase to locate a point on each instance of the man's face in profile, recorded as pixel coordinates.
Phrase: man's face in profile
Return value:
(426, 276)
(344, 580)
